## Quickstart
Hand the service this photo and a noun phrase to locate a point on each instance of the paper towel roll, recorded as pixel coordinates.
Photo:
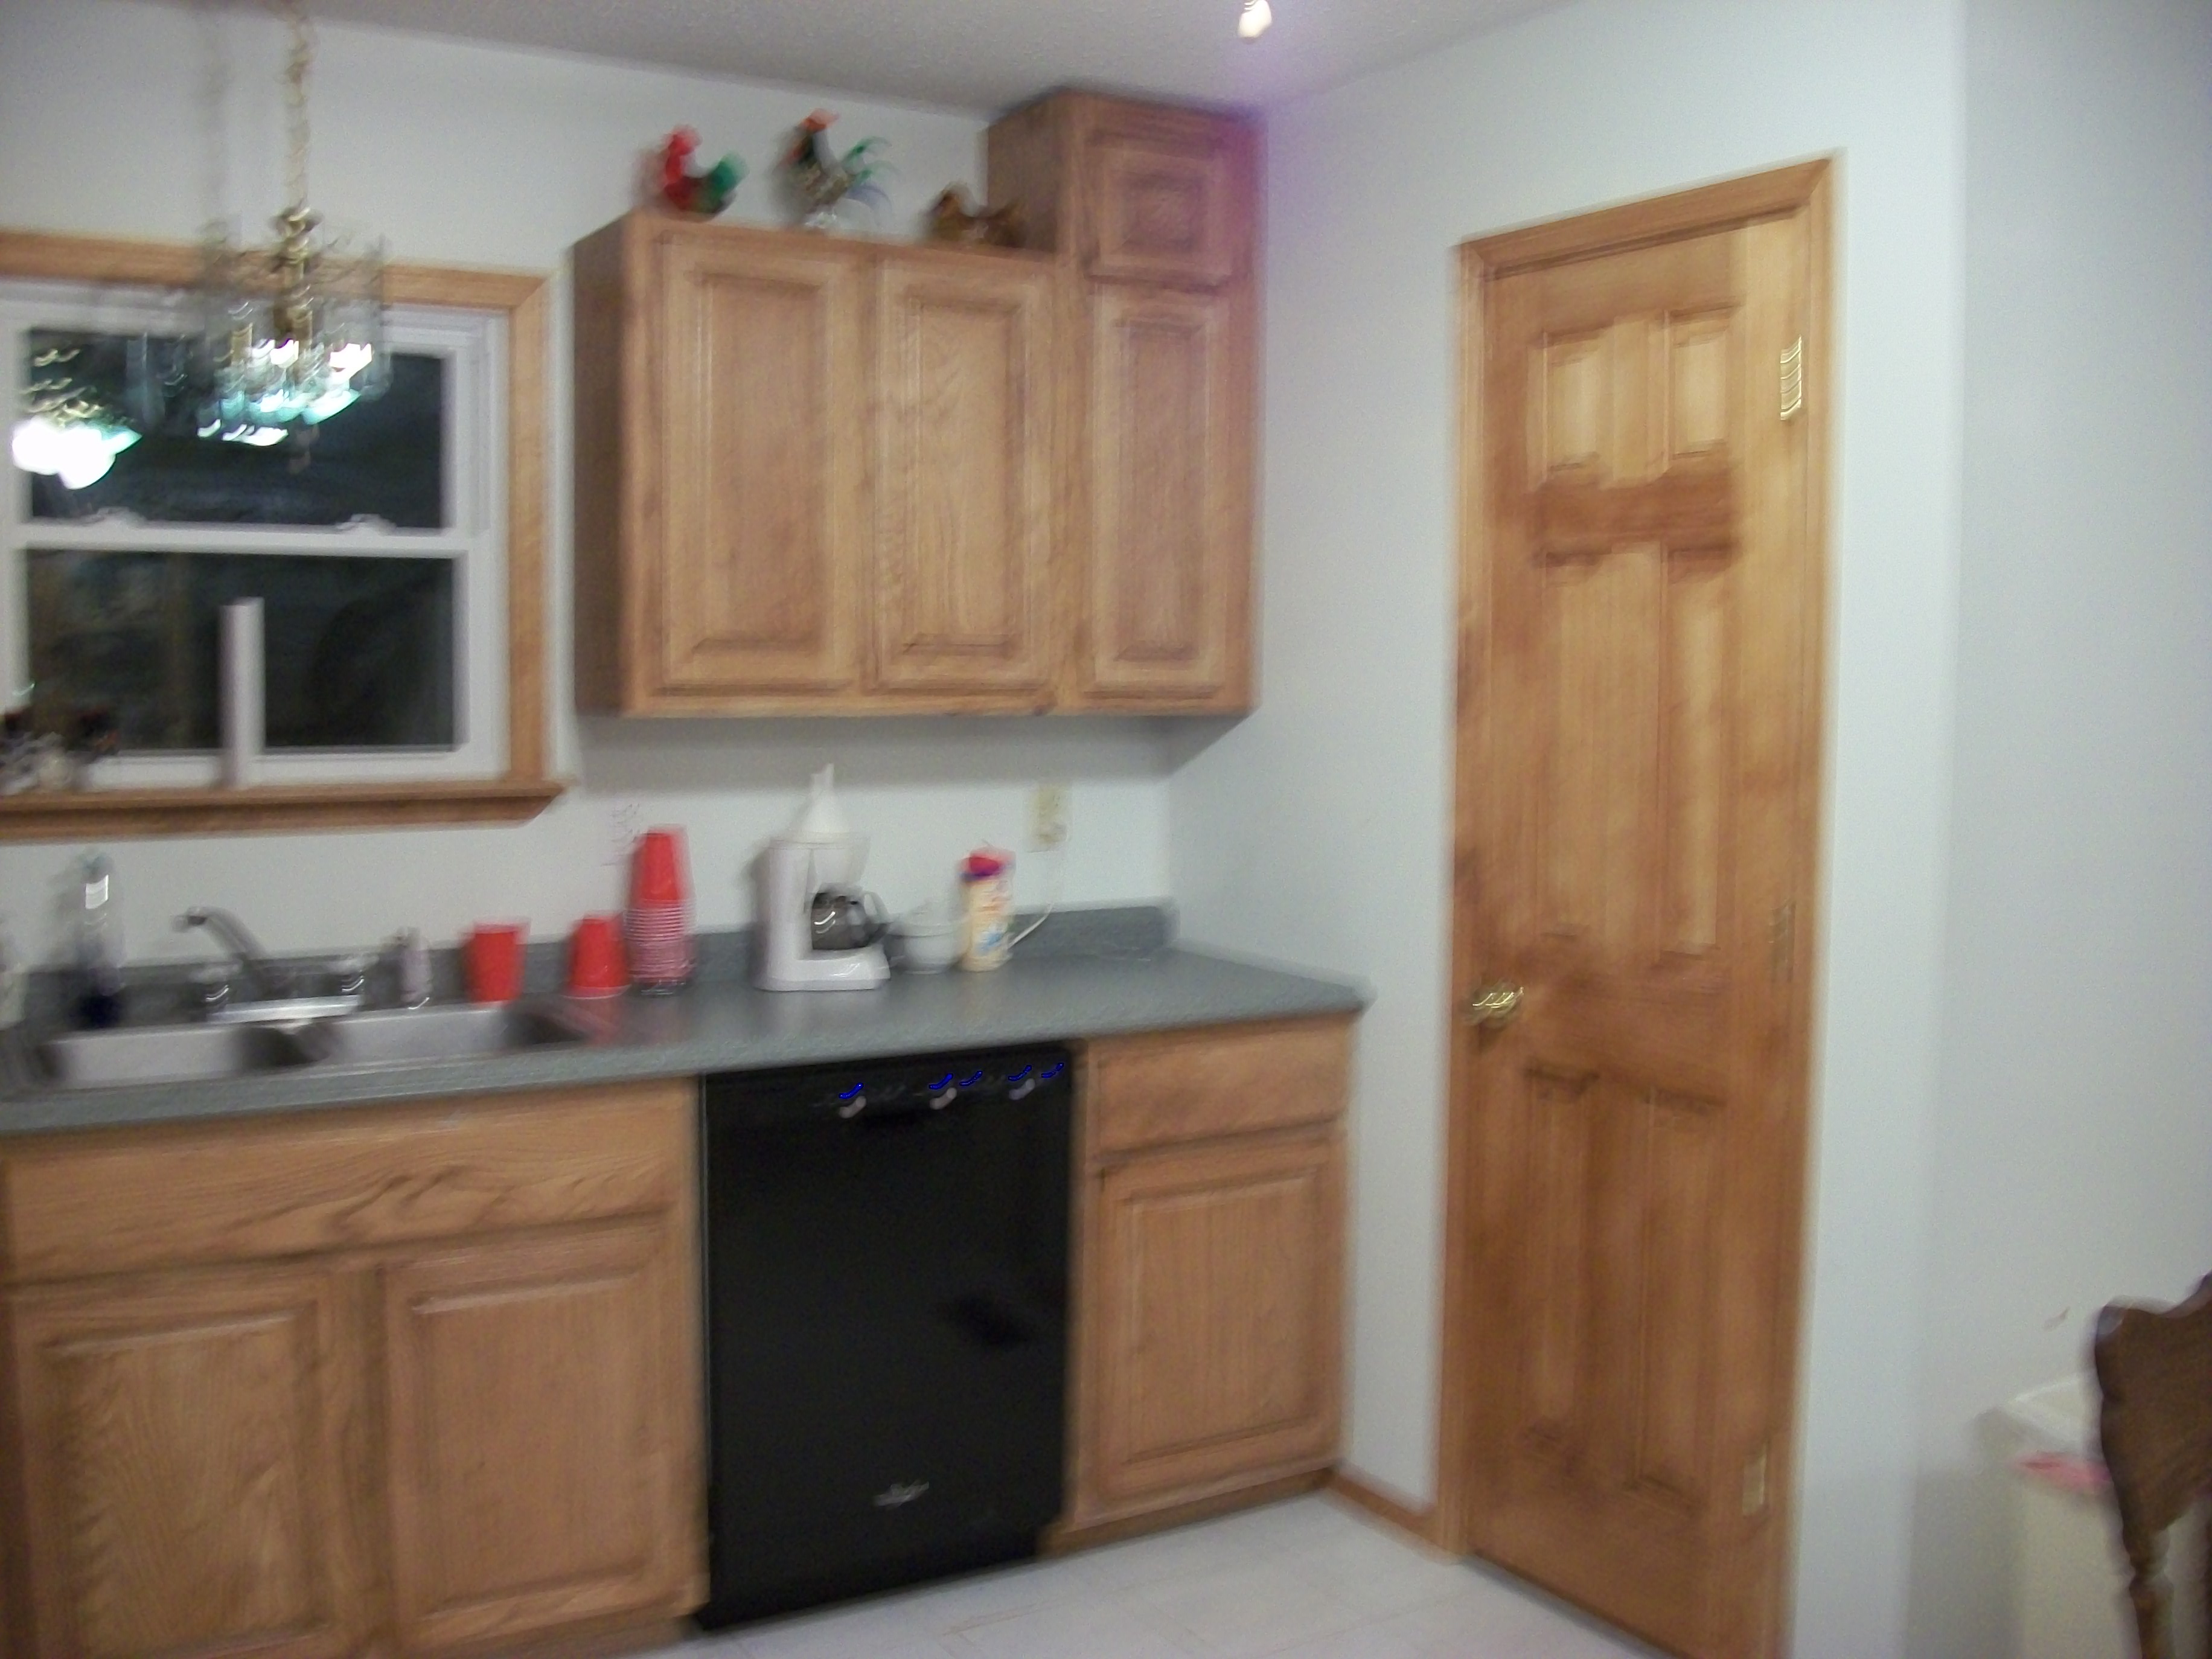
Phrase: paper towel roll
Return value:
(242, 713)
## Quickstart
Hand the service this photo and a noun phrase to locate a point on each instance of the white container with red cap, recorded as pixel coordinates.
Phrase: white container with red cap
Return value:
(986, 887)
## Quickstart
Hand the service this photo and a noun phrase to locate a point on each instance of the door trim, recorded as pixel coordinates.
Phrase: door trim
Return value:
(1804, 187)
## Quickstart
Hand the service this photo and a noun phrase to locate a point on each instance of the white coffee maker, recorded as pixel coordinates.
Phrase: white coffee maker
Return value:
(819, 858)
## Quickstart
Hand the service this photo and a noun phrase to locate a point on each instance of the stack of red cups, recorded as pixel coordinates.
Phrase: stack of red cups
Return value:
(657, 924)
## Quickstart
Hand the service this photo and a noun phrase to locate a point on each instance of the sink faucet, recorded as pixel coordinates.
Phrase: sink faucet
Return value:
(269, 983)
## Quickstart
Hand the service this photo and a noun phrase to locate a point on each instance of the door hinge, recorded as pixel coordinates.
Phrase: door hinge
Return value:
(1755, 1483)
(1793, 379)
(1782, 943)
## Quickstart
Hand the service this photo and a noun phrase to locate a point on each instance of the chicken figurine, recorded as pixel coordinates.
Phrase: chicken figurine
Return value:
(824, 180)
(688, 190)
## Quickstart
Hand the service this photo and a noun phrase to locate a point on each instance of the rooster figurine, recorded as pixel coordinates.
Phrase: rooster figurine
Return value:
(689, 191)
(822, 180)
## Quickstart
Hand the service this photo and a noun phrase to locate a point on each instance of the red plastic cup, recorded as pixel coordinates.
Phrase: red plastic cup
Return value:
(596, 967)
(656, 869)
(492, 955)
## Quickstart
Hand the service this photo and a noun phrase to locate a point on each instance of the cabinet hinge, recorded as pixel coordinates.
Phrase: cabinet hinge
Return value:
(1755, 1483)
(1782, 943)
(1793, 379)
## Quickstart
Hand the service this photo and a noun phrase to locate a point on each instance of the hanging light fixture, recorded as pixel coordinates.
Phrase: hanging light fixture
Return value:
(1254, 20)
(65, 430)
(295, 330)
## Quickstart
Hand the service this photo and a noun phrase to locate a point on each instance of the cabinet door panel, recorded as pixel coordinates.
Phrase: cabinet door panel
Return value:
(1169, 545)
(964, 486)
(763, 467)
(537, 1423)
(1168, 207)
(183, 1475)
(1214, 1293)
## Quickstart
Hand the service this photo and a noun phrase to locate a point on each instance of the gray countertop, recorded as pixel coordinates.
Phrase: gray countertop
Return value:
(728, 1026)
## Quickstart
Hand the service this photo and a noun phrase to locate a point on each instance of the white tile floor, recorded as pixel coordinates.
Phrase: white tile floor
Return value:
(1312, 1579)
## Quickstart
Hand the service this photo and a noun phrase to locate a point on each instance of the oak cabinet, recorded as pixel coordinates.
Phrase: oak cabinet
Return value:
(1152, 210)
(1210, 1292)
(417, 1380)
(814, 475)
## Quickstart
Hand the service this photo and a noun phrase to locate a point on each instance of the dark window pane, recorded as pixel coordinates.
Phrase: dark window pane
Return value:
(383, 457)
(359, 652)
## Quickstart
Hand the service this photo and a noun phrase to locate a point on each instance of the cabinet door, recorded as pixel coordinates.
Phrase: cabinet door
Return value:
(1168, 204)
(184, 1485)
(1170, 534)
(541, 1421)
(1211, 1305)
(963, 482)
(763, 467)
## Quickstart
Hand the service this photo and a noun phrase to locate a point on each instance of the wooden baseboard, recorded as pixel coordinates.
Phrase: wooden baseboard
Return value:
(602, 1643)
(1421, 1523)
(1064, 1536)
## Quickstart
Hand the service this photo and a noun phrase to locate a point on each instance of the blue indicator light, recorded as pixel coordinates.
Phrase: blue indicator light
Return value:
(944, 1082)
(1019, 1075)
(1055, 1071)
(848, 1093)
(971, 1080)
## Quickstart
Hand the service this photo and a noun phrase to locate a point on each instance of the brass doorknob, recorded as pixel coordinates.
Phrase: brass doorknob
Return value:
(1493, 1005)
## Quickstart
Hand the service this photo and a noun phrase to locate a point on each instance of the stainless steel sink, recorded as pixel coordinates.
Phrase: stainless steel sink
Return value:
(454, 1032)
(166, 1054)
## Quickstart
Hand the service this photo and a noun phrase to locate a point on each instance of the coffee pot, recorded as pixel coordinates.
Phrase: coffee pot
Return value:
(845, 918)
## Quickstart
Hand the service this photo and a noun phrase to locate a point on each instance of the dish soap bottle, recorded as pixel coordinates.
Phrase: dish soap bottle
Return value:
(98, 946)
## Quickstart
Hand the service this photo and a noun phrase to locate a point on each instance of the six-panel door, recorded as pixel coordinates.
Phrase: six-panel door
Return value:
(531, 1384)
(185, 1487)
(961, 601)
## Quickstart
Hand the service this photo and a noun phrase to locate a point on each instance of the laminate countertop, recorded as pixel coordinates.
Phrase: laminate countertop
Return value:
(728, 1026)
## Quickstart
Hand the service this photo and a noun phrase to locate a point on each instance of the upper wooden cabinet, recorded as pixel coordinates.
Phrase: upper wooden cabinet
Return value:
(826, 475)
(1151, 210)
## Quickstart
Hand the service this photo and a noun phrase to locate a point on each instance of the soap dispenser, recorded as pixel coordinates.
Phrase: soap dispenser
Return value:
(99, 945)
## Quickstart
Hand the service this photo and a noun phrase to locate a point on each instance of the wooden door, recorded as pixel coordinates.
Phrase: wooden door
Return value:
(539, 1415)
(185, 1488)
(1638, 755)
(1213, 1291)
(1166, 606)
(964, 511)
(754, 577)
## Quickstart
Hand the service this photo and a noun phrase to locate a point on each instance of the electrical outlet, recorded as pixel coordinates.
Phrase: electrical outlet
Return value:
(1049, 815)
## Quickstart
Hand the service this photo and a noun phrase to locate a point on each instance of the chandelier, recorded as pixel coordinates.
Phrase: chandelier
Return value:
(294, 332)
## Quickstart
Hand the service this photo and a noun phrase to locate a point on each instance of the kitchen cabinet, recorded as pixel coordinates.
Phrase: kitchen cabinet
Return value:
(423, 1378)
(1209, 1294)
(1152, 212)
(814, 474)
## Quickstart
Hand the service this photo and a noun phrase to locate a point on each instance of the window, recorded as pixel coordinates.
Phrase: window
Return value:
(376, 548)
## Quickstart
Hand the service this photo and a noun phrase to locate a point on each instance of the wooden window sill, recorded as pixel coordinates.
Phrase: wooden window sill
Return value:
(113, 814)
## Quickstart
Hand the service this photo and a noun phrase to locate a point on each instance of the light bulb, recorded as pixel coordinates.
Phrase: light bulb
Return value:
(36, 445)
(1252, 22)
(84, 457)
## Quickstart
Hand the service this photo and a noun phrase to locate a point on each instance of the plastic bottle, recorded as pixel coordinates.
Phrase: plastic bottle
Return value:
(98, 946)
(987, 885)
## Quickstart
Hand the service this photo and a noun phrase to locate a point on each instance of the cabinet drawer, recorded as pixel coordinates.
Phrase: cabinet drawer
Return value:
(100, 1203)
(1191, 1085)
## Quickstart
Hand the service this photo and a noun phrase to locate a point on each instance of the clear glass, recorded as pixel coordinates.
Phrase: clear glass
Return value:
(360, 652)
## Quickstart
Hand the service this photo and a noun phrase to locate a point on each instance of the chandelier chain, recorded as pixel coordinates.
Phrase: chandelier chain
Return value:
(295, 100)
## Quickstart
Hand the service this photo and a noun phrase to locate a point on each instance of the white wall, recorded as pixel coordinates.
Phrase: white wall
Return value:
(126, 118)
(1318, 829)
(2073, 1146)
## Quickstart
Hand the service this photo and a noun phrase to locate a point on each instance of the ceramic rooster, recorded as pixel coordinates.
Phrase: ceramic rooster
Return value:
(822, 179)
(687, 189)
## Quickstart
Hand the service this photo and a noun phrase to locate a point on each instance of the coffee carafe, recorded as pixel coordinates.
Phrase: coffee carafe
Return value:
(818, 931)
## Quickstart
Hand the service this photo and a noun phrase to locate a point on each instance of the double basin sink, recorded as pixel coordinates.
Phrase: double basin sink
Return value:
(177, 1054)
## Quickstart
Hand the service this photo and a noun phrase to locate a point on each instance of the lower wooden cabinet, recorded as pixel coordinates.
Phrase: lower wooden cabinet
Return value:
(1209, 1290)
(458, 1409)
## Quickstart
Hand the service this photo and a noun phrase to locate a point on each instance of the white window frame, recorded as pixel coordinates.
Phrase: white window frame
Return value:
(475, 346)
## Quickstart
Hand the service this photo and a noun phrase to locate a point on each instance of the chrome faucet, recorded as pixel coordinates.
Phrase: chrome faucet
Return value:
(269, 981)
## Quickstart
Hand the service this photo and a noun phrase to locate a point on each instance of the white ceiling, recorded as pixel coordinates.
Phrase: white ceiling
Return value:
(972, 54)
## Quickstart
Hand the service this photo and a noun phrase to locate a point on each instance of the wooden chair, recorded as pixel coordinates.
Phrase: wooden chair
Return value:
(2154, 1370)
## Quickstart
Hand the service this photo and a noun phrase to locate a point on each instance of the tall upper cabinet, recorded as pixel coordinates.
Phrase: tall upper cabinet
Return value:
(1152, 211)
(832, 475)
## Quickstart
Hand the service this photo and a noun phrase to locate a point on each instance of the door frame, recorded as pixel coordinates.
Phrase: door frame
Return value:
(1807, 187)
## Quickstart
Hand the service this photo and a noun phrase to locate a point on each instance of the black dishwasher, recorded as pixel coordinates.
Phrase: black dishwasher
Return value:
(886, 1283)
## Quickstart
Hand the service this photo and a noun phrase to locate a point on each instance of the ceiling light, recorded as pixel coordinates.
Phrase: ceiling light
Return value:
(1252, 22)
